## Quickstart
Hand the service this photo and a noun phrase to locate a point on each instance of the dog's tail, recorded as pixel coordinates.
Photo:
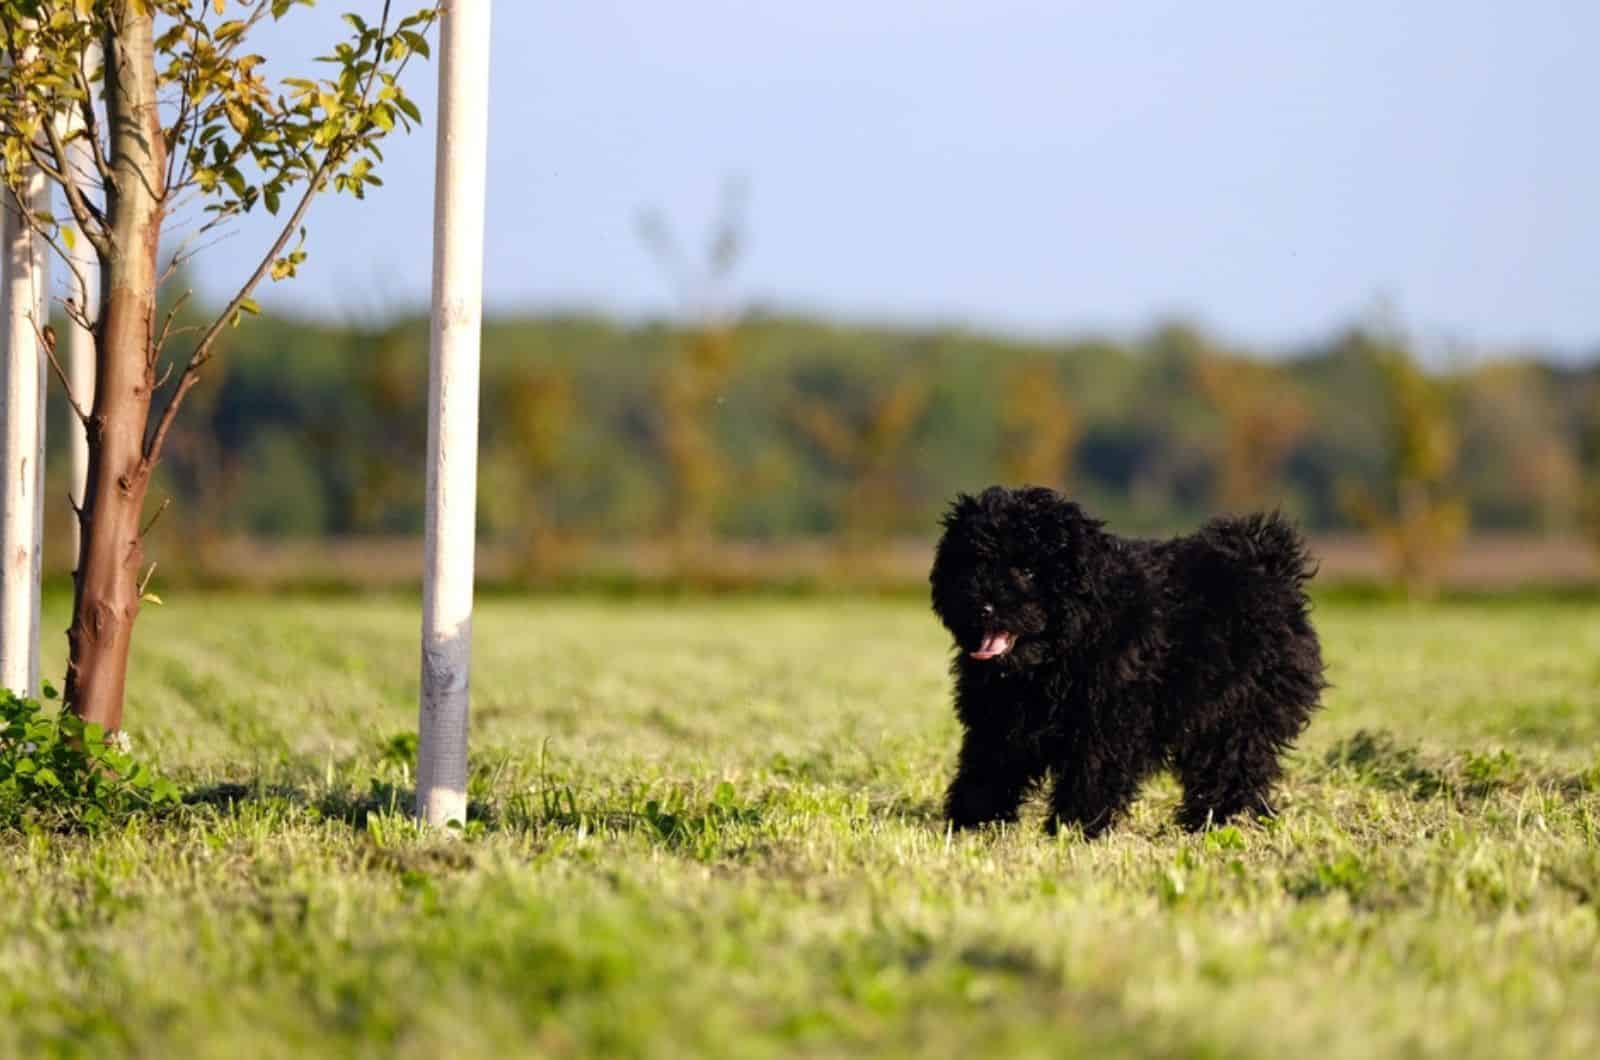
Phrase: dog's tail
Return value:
(1270, 542)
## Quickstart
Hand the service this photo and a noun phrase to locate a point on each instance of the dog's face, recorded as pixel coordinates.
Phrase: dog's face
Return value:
(1001, 570)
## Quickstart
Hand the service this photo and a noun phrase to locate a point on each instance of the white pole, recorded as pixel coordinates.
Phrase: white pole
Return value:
(452, 487)
(80, 373)
(80, 342)
(23, 300)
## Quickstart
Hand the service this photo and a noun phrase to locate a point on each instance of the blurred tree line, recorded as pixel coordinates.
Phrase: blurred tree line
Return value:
(763, 427)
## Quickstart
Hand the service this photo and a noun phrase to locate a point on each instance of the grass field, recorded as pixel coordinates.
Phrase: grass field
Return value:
(710, 828)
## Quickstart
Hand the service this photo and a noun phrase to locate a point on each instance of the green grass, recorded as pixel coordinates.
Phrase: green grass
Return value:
(710, 828)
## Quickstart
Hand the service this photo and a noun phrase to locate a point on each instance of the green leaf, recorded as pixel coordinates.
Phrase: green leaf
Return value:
(417, 41)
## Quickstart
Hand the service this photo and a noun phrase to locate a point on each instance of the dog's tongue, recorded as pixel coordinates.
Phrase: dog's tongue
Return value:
(994, 645)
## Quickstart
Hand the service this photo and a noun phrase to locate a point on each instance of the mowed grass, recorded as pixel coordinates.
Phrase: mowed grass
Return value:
(711, 828)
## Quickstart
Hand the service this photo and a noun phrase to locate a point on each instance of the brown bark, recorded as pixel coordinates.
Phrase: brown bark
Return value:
(106, 583)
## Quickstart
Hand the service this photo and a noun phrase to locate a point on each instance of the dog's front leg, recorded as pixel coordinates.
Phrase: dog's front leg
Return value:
(989, 783)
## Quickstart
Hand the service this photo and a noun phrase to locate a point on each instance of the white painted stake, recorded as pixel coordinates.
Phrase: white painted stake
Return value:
(80, 342)
(80, 374)
(452, 482)
(23, 301)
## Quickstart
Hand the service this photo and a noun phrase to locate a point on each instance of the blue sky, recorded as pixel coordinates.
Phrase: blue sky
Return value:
(1270, 169)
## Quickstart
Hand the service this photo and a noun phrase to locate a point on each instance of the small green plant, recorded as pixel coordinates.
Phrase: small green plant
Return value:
(1490, 769)
(1344, 873)
(400, 750)
(58, 772)
(1228, 837)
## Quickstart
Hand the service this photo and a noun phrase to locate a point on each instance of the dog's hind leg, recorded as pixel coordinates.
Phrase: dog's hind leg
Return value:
(1225, 774)
(1229, 768)
(1091, 795)
(989, 784)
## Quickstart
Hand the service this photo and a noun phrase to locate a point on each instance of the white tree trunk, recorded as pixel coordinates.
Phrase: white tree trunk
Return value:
(23, 302)
(452, 486)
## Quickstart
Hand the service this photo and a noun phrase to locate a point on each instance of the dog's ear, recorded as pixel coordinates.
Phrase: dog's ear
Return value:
(1071, 534)
(964, 506)
(997, 497)
(1042, 498)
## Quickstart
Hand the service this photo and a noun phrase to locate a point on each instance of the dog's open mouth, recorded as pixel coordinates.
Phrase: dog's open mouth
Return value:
(994, 645)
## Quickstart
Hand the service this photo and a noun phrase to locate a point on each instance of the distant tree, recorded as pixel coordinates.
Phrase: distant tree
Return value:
(1421, 519)
(869, 447)
(1589, 454)
(536, 411)
(697, 374)
(1263, 418)
(1518, 446)
(208, 474)
(387, 431)
(185, 134)
(1039, 428)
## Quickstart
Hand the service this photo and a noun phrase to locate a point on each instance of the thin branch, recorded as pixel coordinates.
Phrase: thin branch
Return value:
(166, 327)
(61, 172)
(91, 221)
(172, 140)
(202, 352)
(335, 154)
(184, 108)
(178, 174)
(50, 240)
(83, 208)
(91, 124)
(42, 162)
(186, 382)
(191, 248)
(164, 506)
(76, 313)
(47, 339)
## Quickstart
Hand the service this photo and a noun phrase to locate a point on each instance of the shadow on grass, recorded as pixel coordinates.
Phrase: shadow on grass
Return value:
(675, 820)
(1376, 758)
(343, 804)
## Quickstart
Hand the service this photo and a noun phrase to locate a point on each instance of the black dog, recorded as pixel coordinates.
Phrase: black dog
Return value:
(1103, 659)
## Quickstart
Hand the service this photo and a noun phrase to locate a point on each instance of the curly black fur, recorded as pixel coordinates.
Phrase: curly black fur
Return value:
(1101, 659)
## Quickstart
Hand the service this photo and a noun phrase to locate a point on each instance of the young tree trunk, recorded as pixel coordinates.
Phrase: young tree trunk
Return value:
(106, 584)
